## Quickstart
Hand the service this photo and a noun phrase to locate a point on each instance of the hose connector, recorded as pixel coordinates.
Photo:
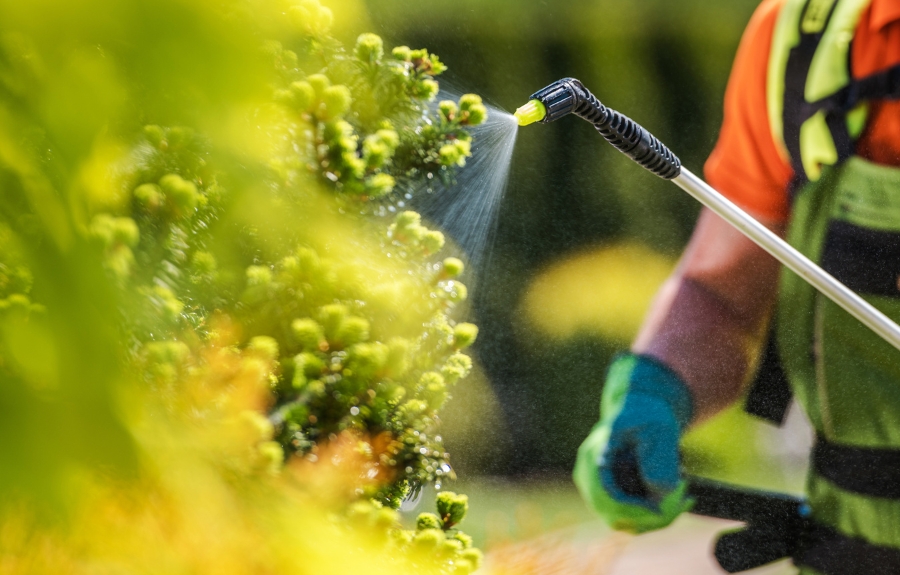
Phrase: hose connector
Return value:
(569, 96)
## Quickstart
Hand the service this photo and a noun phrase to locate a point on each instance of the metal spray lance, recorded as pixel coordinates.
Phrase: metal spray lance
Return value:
(569, 96)
(777, 524)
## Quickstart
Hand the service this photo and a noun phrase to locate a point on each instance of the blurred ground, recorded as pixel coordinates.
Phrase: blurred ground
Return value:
(682, 549)
(541, 526)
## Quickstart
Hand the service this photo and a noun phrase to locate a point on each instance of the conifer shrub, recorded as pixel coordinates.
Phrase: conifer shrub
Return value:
(296, 267)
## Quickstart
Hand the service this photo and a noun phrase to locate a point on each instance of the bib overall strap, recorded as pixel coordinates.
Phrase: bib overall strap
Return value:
(810, 95)
(866, 471)
(882, 85)
(808, 544)
(770, 394)
(796, 110)
(832, 553)
(779, 526)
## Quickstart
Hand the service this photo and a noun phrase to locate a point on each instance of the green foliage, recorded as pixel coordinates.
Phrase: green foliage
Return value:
(464, 335)
(452, 267)
(363, 118)
(350, 372)
(431, 539)
(435, 536)
(185, 254)
(428, 521)
(452, 508)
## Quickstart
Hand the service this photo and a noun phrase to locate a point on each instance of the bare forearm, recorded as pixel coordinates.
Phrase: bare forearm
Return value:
(709, 319)
(707, 343)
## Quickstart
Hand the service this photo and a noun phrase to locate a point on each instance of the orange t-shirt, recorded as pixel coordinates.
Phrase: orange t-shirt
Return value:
(745, 164)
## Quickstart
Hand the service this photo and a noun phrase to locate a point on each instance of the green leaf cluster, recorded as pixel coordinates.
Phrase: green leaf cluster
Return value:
(343, 369)
(366, 118)
(183, 259)
(434, 537)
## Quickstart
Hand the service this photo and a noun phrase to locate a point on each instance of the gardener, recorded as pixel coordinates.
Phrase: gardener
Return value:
(810, 145)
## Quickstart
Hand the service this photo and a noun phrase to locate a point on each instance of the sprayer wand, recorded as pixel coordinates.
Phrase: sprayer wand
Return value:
(777, 525)
(569, 96)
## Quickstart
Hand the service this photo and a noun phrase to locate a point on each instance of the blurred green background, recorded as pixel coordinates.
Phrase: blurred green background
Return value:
(584, 236)
(583, 239)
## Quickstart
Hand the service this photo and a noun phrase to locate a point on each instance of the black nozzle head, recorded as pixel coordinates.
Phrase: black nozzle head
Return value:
(569, 96)
(560, 98)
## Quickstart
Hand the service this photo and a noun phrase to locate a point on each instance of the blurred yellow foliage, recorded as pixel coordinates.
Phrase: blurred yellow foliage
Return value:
(603, 291)
(205, 499)
(137, 433)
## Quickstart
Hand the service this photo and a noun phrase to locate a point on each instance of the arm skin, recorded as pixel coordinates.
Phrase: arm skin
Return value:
(709, 319)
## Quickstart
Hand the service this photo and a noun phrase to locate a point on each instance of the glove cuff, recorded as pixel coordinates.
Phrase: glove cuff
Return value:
(647, 375)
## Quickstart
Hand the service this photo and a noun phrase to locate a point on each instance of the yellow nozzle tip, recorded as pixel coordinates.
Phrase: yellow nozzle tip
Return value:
(530, 113)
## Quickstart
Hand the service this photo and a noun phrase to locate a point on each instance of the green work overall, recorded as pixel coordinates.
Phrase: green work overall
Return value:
(846, 378)
(845, 217)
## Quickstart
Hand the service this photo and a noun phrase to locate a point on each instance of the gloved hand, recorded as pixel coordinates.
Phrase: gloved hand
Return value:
(644, 410)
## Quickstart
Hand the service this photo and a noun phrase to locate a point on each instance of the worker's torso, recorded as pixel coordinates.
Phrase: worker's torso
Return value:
(874, 27)
(846, 217)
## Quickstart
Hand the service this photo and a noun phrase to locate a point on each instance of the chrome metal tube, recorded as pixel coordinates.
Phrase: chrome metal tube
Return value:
(790, 257)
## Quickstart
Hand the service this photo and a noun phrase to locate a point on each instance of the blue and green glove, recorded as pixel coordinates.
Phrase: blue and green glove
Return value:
(644, 410)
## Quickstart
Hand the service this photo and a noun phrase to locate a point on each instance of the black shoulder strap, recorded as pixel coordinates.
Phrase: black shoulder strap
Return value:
(796, 110)
(770, 395)
(883, 85)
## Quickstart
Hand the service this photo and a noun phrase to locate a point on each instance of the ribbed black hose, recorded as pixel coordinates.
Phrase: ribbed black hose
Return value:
(569, 96)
